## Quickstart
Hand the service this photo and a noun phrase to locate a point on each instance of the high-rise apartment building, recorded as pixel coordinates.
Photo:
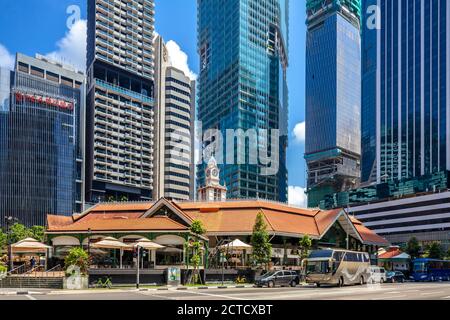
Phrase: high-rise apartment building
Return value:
(42, 106)
(175, 120)
(333, 97)
(406, 79)
(243, 48)
(120, 104)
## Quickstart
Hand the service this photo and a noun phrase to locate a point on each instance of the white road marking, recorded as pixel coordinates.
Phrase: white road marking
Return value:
(430, 293)
(214, 295)
(30, 297)
(390, 297)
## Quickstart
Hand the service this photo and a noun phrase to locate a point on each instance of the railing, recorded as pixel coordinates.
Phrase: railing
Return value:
(19, 270)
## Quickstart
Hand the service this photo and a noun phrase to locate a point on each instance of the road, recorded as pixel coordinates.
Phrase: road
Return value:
(406, 291)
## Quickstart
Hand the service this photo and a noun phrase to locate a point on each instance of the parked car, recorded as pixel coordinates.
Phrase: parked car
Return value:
(279, 278)
(395, 276)
(377, 275)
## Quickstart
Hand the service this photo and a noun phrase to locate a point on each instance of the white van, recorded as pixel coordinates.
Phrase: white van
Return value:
(377, 275)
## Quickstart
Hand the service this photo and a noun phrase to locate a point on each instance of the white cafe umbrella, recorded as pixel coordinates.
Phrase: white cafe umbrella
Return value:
(236, 245)
(30, 245)
(147, 244)
(113, 243)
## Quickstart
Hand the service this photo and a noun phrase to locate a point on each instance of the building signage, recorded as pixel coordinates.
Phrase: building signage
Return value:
(53, 102)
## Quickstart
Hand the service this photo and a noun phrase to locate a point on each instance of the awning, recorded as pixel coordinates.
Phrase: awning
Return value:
(29, 245)
(112, 243)
(147, 244)
(236, 245)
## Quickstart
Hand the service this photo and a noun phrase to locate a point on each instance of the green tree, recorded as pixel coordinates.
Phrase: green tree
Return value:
(260, 240)
(38, 233)
(198, 228)
(77, 257)
(194, 249)
(413, 248)
(19, 232)
(305, 245)
(3, 241)
(435, 251)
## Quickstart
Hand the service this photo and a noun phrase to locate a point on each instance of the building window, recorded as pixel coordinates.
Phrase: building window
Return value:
(37, 72)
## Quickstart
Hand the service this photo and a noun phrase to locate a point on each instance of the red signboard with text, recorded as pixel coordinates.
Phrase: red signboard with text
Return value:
(53, 102)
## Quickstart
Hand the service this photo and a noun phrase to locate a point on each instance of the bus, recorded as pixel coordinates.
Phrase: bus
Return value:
(431, 270)
(337, 267)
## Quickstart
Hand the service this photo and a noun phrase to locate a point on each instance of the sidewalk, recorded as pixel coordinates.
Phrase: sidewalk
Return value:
(36, 291)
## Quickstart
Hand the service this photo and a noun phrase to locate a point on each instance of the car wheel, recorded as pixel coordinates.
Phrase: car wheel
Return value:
(341, 282)
(293, 283)
(361, 281)
(271, 284)
(381, 281)
(403, 280)
(318, 285)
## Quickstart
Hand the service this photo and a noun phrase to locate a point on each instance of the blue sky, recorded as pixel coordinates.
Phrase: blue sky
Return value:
(41, 28)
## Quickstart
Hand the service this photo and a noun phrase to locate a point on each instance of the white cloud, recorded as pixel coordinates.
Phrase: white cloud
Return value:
(299, 132)
(6, 58)
(298, 197)
(72, 48)
(179, 59)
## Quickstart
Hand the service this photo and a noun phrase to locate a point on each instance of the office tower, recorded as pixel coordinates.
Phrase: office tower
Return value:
(243, 48)
(41, 141)
(120, 106)
(333, 97)
(368, 91)
(408, 117)
(175, 117)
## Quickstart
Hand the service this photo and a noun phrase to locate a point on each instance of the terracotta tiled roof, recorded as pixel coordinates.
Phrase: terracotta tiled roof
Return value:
(228, 221)
(244, 205)
(325, 218)
(231, 217)
(390, 253)
(291, 223)
(58, 221)
(157, 224)
(368, 236)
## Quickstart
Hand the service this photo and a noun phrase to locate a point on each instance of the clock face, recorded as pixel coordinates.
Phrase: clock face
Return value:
(215, 173)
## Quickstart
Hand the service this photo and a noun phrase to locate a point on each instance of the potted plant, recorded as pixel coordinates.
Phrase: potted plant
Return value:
(76, 270)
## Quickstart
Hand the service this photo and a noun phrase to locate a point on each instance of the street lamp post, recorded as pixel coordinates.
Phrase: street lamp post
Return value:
(9, 221)
(89, 242)
(137, 267)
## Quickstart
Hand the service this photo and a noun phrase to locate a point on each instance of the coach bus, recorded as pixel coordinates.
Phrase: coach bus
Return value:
(337, 267)
(431, 270)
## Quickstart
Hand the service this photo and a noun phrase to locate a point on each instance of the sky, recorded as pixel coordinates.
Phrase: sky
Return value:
(48, 27)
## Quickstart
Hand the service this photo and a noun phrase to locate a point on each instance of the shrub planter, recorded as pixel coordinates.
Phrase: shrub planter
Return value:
(76, 283)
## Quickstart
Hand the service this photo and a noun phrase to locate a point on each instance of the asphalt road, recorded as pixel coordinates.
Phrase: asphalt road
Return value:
(407, 291)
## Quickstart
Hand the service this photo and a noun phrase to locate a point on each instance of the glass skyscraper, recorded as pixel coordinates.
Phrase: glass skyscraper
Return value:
(120, 104)
(407, 115)
(243, 47)
(41, 141)
(333, 97)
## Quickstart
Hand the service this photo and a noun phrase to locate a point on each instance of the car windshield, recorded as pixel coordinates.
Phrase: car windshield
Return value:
(317, 267)
(390, 274)
(269, 274)
(419, 267)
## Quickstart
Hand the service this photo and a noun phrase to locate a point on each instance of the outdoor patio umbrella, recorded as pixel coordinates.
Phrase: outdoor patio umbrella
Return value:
(30, 245)
(236, 245)
(148, 245)
(113, 243)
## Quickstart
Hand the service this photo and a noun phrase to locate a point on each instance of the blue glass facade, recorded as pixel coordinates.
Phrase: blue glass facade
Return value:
(40, 164)
(333, 61)
(243, 47)
(411, 89)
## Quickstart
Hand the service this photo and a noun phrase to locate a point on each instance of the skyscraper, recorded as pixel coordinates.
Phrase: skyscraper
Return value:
(333, 97)
(175, 120)
(243, 48)
(120, 106)
(409, 118)
(41, 140)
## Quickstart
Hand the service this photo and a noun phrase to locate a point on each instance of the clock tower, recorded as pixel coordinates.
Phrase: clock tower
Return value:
(213, 190)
